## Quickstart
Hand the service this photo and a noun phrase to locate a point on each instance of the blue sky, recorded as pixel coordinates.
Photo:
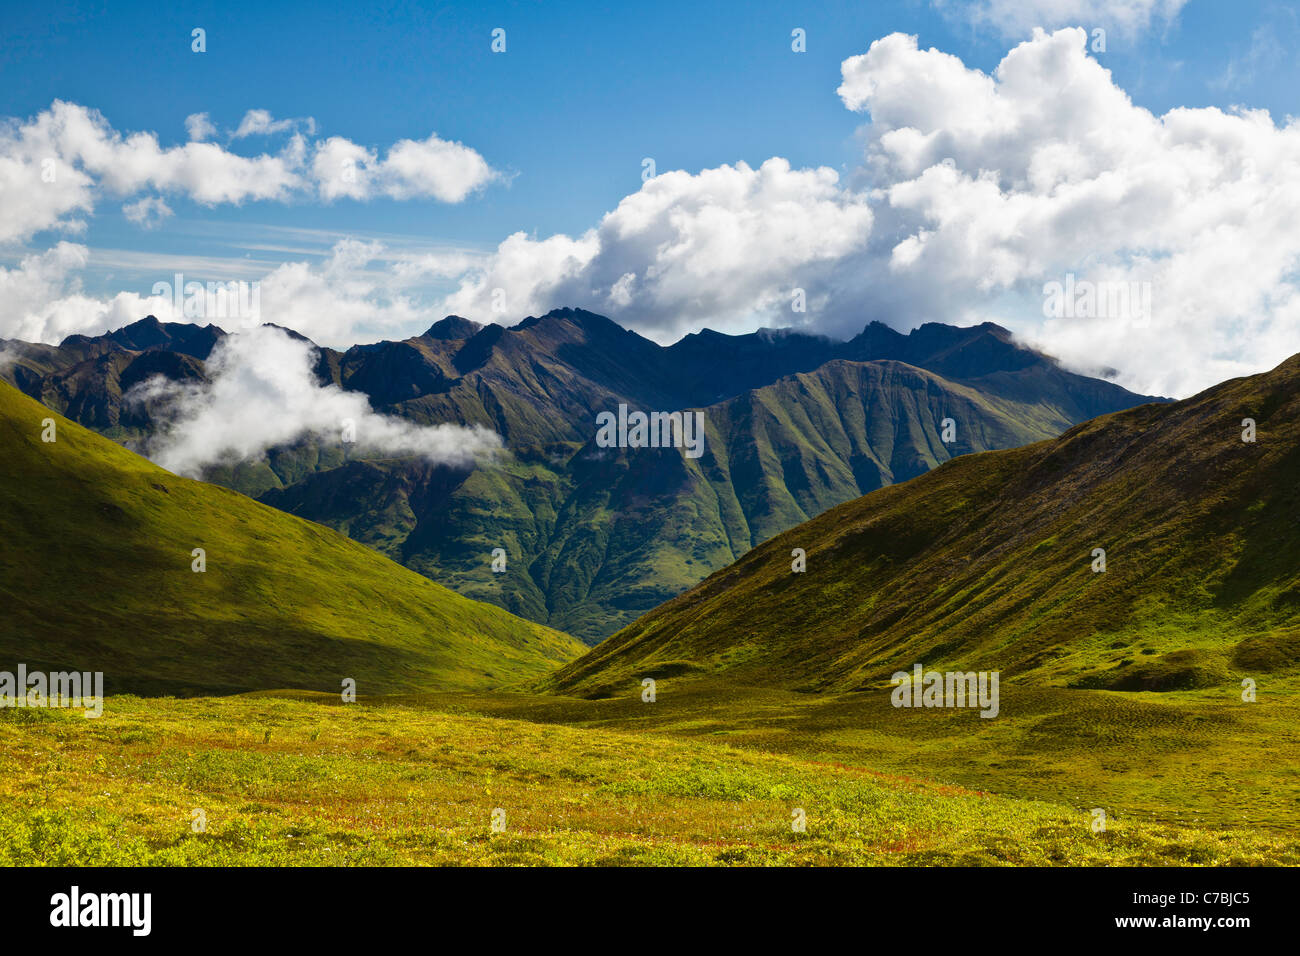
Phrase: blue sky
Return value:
(583, 93)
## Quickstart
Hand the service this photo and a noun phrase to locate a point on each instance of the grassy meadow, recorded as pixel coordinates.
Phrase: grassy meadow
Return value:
(1121, 691)
(305, 780)
(1201, 759)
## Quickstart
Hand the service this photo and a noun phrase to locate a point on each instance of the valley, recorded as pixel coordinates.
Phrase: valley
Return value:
(1119, 732)
(792, 424)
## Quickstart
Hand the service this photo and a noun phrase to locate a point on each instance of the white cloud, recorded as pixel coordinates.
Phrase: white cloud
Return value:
(263, 394)
(437, 168)
(54, 166)
(334, 301)
(999, 183)
(262, 123)
(1016, 18)
(983, 188)
(43, 301)
(199, 127)
(360, 291)
(976, 189)
(148, 213)
(718, 248)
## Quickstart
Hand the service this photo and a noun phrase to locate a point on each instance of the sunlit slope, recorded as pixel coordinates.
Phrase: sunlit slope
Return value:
(96, 574)
(987, 562)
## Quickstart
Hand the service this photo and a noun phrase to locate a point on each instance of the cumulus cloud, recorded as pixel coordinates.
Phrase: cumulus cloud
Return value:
(54, 165)
(199, 127)
(331, 302)
(1001, 183)
(718, 247)
(977, 190)
(1016, 18)
(436, 168)
(43, 300)
(360, 291)
(263, 394)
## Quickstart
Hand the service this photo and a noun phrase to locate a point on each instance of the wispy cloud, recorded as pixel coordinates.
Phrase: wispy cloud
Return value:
(1018, 18)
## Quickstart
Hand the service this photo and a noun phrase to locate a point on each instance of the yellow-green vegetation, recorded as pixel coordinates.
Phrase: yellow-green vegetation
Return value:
(1203, 758)
(1122, 690)
(97, 574)
(1163, 687)
(293, 781)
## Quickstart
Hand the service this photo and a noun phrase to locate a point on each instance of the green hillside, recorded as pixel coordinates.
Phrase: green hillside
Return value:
(597, 537)
(96, 574)
(798, 423)
(986, 563)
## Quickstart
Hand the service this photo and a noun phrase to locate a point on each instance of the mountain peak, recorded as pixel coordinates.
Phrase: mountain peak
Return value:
(149, 333)
(149, 322)
(580, 317)
(452, 328)
(955, 351)
(1042, 504)
(296, 336)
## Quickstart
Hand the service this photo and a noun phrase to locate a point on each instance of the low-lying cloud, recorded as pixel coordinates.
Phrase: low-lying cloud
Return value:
(348, 294)
(262, 394)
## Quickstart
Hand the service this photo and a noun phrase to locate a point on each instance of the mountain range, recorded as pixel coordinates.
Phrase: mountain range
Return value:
(795, 424)
(1151, 549)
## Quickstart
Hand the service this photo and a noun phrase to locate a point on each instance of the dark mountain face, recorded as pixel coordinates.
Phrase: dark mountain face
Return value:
(1152, 549)
(147, 334)
(794, 424)
(453, 328)
(709, 366)
(393, 372)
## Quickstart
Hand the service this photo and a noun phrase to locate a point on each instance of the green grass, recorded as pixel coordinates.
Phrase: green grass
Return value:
(1119, 691)
(301, 781)
(1202, 759)
(96, 574)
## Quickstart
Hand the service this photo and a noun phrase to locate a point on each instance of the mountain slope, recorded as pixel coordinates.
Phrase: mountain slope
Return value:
(986, 563)
(797, 423)
(600, 536)
(96, 574)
